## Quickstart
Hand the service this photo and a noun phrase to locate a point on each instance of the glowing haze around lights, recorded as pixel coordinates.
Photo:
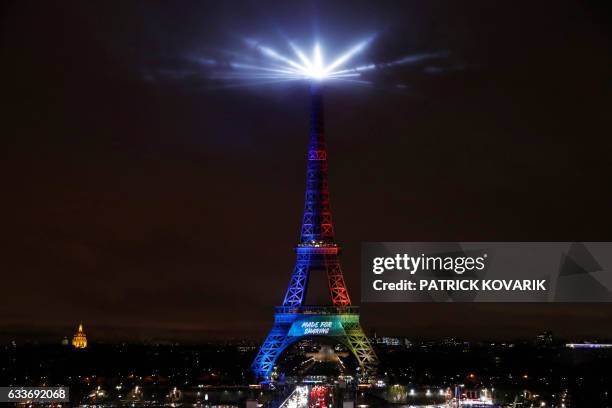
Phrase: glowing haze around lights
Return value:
(262, 64)
(301, 65)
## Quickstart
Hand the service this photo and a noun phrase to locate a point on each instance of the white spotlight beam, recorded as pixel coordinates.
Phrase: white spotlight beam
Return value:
(348, 55)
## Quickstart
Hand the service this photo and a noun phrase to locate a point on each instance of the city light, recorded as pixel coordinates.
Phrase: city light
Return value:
(588, 345)
(297, 399)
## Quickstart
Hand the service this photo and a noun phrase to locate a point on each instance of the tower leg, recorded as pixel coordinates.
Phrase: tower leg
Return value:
(272, 347)
(360, 346)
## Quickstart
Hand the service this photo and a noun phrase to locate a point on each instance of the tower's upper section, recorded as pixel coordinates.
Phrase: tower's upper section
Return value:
(317, 227)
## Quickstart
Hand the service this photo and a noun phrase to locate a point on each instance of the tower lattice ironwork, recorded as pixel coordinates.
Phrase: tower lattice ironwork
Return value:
(317, 251)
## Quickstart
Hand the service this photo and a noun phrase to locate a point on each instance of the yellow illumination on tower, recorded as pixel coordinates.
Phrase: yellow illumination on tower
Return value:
(79, 340)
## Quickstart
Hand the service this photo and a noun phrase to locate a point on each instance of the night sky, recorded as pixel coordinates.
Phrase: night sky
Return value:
(154, 203)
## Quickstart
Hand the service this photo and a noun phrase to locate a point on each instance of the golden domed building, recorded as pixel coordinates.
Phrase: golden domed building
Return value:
(79, 340)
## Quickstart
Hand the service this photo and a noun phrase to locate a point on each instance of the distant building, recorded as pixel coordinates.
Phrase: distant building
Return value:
(79, 340)
(65, 341)
(390, 341)
(545, 338)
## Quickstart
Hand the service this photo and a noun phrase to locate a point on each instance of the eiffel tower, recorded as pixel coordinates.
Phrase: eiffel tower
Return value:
(316, 252)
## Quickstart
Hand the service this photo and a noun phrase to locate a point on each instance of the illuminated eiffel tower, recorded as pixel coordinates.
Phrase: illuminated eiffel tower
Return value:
(317, 252)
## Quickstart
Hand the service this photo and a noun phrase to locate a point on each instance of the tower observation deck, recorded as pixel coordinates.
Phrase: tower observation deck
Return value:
(316, 252)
